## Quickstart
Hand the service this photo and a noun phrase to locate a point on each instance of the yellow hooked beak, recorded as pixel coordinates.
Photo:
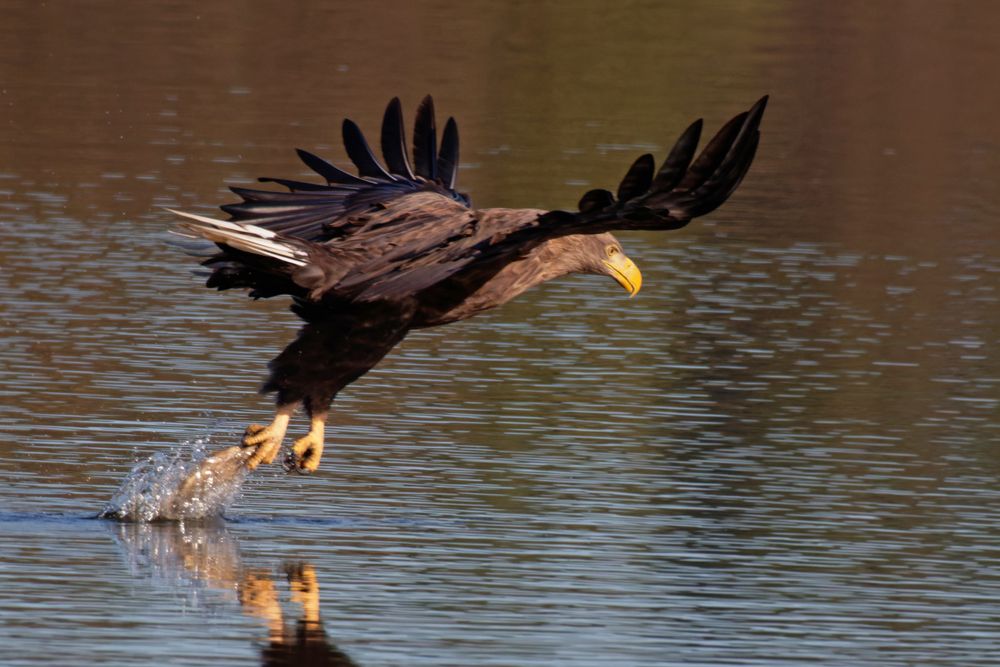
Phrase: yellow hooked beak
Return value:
(625, 272)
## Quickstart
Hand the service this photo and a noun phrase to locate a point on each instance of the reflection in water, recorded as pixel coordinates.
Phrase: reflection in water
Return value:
(193, 557)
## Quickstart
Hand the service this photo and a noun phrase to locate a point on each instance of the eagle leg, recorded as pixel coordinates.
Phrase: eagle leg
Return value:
(307, 451)
(267, 439)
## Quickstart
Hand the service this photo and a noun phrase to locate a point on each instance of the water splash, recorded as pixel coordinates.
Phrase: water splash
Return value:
(185, 483)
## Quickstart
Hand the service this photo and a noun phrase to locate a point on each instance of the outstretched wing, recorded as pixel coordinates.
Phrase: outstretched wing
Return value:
(349, 224)
(668, 198)
(397, 228)
(683, 188)
(323, 212)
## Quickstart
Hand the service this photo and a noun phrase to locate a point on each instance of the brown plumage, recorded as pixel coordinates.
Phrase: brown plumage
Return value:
(367, 258)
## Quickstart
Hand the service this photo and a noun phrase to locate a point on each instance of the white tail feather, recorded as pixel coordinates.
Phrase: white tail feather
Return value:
(242, 236)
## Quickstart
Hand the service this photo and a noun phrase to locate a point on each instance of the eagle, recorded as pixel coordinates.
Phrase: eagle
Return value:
(368, 257)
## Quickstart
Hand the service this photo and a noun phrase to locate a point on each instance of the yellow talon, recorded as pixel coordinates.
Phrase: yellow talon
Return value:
(265, 454)
(307, 451)
(251, 433)
(267, 439)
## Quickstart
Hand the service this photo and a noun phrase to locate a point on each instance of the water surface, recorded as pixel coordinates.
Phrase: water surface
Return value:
(783, 451)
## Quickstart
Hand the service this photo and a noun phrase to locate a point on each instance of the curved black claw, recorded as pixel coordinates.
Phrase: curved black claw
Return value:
(291, 463)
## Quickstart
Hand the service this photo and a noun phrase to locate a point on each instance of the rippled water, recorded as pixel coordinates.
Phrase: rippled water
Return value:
(783, 451)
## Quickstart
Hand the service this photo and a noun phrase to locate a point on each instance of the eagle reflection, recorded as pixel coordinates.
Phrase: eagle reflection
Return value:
(204, 560)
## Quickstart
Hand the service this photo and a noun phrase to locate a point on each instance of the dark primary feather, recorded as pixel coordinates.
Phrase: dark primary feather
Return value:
(292, 185)
(425, 141)
(638, 178)
(361, 154)
(712, 155)
(447, 162)
(394, 141)
(680, 156)
(328, 171)
(595, 200)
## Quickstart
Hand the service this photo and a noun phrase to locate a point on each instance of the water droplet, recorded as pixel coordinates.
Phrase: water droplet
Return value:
(185, 483)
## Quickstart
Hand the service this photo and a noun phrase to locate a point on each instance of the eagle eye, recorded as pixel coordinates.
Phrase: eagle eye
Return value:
(612, 251)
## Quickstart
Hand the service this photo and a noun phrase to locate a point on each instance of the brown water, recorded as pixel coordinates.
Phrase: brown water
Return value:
(784, 451)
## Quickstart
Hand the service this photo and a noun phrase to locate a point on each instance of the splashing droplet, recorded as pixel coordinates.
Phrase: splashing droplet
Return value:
(186, 483)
